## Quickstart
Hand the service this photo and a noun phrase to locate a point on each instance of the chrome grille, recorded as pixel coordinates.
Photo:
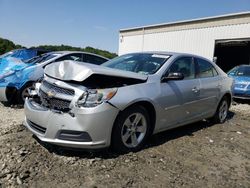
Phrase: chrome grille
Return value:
(54, 103)
(48, 86)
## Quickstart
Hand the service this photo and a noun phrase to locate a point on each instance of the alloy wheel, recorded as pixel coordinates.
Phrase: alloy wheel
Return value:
(134, 130)
(223, 110)
(25, 93)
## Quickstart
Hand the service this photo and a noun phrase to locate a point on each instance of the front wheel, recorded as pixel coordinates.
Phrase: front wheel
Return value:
(131, 129)
(222, 111)
(24, 92)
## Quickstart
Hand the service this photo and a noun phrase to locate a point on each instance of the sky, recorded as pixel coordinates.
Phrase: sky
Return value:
(96, 23)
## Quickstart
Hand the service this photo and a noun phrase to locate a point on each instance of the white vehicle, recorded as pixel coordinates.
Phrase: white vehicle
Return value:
(18, 79)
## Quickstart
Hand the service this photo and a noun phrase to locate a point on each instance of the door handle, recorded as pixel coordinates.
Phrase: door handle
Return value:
(219, 85)
(195, 90)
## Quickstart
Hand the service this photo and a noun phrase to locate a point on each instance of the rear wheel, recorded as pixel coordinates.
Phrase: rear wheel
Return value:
(222, 111)
(131, 129)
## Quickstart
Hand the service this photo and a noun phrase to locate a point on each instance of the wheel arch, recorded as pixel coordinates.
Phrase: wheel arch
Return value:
(150, 108)
(228, 95)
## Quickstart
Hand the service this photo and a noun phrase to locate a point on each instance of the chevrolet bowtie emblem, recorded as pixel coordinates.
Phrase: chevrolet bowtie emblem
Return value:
(51, 93)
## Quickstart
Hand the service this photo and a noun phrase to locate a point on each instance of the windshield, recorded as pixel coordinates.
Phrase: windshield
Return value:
(40, 59)
(143, 63)
(240, 71)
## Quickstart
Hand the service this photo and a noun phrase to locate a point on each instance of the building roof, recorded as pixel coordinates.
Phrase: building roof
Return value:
(235, 18)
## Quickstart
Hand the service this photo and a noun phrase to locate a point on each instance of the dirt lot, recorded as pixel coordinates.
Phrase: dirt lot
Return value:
(197, 155)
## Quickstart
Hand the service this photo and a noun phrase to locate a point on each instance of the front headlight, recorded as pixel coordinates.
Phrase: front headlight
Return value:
(94, 97)
(10, 72)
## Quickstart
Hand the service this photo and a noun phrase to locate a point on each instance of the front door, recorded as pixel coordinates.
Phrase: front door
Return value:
(179, 98)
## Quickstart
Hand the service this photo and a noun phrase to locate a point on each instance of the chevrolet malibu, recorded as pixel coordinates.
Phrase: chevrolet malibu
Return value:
(125, 100)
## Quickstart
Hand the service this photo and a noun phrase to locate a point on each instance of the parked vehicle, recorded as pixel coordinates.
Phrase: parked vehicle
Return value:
(19, 79)
(241, 86)
(15, 57)
(125, 100)
(7, 54)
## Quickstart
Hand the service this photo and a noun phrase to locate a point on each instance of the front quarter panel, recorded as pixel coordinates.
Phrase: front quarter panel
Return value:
(145, 92)
(20, 78)
(129, 95)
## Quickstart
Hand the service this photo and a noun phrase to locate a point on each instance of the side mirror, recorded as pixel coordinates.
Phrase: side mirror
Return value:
(173, 76)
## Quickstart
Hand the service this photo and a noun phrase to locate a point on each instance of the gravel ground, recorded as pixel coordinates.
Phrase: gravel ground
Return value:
(197, 155)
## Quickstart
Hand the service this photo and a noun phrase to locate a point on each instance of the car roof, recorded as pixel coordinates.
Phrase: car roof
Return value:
(243, 66)
(70, 52)
(170, 54)
(166, 53)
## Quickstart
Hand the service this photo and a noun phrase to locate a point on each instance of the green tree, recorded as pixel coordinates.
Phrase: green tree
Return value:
(7, 45)
(71, 48)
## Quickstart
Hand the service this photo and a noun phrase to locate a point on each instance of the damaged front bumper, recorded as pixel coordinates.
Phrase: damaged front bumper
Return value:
(88, 128)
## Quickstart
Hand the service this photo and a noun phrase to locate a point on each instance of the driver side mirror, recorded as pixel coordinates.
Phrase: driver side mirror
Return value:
(172, 76)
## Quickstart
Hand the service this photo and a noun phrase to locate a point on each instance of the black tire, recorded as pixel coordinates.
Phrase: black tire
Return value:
(20, 98)
(221, 114)
(117, 142)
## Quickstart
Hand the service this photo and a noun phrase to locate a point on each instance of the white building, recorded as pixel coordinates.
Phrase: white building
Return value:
(225, 38)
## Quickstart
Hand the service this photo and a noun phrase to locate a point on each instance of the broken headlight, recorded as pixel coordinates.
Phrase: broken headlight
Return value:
(34, 90)
(94, 97)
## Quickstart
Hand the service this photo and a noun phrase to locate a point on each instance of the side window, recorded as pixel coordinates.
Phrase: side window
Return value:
(205, 69)
(93, 59)
(184, 65)
(74, 57)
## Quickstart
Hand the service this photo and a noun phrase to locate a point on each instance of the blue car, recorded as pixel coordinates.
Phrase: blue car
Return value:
(241, 76)
(19, 77)
(15, 57)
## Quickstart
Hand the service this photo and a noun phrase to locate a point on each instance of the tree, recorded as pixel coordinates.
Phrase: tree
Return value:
(71, 48)
(7, 45)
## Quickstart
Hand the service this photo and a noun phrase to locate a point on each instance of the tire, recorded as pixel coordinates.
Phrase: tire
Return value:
(222, 111)
(23, 93)
(131, 130)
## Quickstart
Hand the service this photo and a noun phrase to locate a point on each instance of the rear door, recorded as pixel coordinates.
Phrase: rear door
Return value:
(210, 86)
(180, 98)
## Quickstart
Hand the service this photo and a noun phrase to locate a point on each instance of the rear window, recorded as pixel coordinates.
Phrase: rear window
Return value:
(93, 59)
(73, 57)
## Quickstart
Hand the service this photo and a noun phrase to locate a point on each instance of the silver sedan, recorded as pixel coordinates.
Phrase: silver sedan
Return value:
(125, 100)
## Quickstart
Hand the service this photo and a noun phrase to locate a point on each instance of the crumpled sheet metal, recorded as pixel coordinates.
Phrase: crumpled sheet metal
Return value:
(20, 77)
(15, 58)
(23, 54)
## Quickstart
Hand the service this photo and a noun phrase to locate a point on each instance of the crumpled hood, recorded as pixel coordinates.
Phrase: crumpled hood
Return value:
(77, 71)
(10, 63)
